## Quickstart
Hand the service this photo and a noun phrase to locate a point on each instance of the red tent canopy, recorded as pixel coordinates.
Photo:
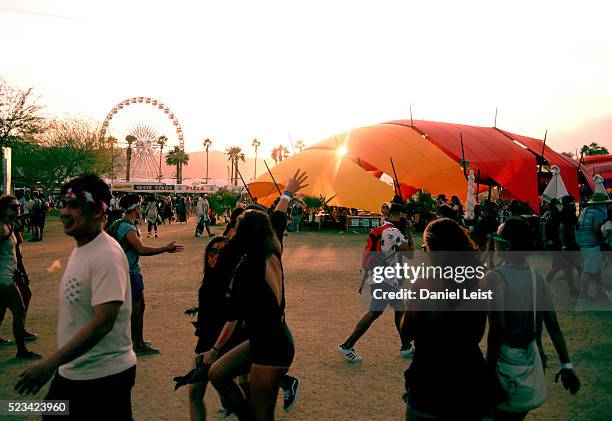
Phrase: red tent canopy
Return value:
(566, 165)
(498, 158)
(598, 164)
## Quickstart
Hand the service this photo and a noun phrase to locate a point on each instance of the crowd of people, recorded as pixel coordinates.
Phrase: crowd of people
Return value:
(245, 348)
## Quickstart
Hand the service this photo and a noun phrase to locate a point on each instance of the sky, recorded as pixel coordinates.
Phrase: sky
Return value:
(236, 70)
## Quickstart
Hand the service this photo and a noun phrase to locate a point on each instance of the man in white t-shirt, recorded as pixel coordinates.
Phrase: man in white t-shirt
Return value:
(202, 208)
(95, 366)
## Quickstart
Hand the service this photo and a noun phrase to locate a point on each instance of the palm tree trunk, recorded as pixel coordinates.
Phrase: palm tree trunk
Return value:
(236, 173)
(206, 165)
(129, 163)
(255, 170)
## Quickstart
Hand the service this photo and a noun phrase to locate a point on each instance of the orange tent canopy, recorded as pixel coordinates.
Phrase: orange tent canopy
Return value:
(417, 161)
(330, 175)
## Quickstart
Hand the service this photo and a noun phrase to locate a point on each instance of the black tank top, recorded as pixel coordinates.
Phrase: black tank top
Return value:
(252, 298)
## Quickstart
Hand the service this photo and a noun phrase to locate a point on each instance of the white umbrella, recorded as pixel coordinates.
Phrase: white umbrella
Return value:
(470, 202)
(555, 189)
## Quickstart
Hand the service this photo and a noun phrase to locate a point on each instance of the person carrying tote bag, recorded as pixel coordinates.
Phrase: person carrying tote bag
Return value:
(522, 305)
(520, 371)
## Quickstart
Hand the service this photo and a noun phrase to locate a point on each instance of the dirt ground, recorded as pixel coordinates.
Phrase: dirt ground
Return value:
(322, 309)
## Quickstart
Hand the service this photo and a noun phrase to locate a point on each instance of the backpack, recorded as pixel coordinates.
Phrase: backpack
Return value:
(370, 257)
(113, 231)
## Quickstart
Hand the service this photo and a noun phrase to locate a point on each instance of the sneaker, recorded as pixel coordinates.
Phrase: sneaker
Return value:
(28, 355)
(29, 336)
(155, 235)
(350, 354)
(211, 234)
(4, 341)
(290, 394)
(148, 235)
(146, 350)
(407, 353)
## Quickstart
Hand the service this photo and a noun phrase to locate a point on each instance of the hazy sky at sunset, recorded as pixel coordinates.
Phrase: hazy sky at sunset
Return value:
(234, 70)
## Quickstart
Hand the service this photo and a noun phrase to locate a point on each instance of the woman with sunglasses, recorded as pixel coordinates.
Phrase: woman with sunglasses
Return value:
(10, 295)
(212, 308)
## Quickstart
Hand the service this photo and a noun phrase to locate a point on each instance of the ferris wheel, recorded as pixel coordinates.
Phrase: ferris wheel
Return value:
(137, 124)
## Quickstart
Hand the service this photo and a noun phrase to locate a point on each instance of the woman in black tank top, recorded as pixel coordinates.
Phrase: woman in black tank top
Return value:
(257, 295)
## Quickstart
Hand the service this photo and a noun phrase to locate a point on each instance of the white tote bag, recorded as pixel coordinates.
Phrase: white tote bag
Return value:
(520, 372)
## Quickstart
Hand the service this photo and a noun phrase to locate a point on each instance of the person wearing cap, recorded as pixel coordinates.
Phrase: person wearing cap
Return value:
(95, 366)
(589, 237)
(128, 235)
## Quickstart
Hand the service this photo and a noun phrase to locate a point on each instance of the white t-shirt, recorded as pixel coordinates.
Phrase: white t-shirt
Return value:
(390, 240)
(96, 273)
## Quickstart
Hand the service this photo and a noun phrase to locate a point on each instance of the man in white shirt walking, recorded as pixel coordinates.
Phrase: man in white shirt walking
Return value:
(202, 208)
(95, 366)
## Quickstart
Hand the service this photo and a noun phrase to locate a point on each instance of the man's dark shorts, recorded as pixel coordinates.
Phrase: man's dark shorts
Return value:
(107, 398)
(137, 284)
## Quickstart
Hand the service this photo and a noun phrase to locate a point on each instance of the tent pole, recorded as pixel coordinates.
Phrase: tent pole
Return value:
(291, 142)
(478, 186)
(541, 159)
(270, 172)
(489, 195)
(495, 121)
(398, 189)
(411, 121)
(463, 162)
(245, 186)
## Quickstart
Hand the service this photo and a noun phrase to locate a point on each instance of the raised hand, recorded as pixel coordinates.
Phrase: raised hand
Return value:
(296, 182)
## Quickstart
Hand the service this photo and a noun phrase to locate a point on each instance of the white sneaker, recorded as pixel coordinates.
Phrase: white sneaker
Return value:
(407, 353)
(350, 354)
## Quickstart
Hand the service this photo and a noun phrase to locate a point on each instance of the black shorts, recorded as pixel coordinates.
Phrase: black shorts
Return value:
(103, 398)
(272, 347)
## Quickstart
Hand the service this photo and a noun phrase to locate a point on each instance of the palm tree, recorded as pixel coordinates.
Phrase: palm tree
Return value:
(594, 149)
(256, 144)
(129, 139)
(112, 142)
(234, 154)
(300, 145)
(207, 143)
(161, 142)
(177, 157)
(279, 153)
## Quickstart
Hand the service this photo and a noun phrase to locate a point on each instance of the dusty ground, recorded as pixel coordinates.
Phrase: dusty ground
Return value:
(322, 309)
